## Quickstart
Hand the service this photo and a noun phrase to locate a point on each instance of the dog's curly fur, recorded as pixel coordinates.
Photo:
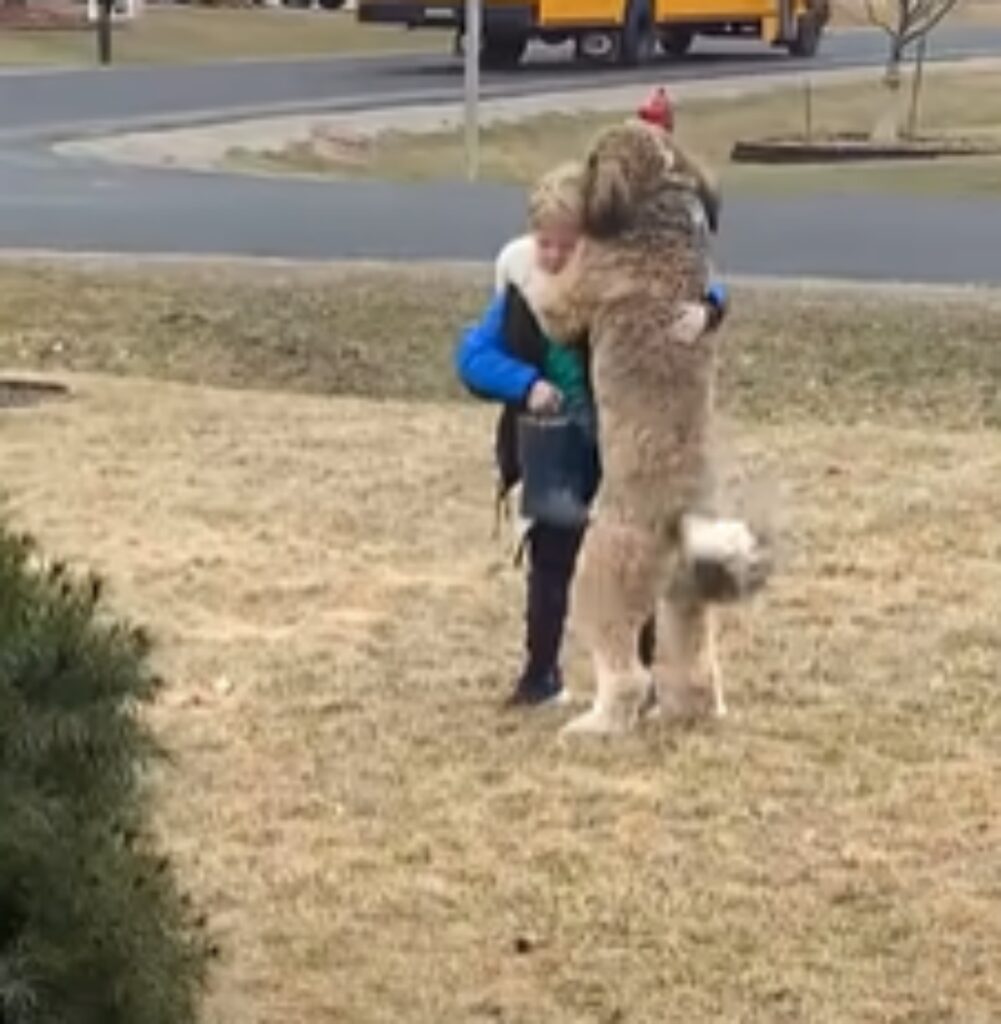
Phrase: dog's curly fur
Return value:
(643, 256)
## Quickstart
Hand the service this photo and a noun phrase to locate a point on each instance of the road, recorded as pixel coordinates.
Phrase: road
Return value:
(52, 202)
(68, 102)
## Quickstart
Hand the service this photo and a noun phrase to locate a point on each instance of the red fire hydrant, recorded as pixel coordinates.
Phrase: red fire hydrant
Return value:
(657, 109)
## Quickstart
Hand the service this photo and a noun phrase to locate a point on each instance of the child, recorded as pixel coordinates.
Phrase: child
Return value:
(506, 358)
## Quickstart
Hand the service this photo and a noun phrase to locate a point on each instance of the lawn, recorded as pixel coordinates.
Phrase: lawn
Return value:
(516, 151)
(189, 35)
(968, 12)
(276, 472)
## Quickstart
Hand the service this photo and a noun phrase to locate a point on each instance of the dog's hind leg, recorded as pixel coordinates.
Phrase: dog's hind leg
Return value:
(614, 591)
(686, 670)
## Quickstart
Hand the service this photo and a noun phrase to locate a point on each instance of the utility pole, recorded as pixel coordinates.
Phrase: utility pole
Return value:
(471, 53)
(104, 30)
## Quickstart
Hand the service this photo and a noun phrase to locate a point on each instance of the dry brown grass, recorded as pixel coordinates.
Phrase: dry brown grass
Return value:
(331, 331)
(375, 841)
(853, 13)
(188, 35)
(953, 103)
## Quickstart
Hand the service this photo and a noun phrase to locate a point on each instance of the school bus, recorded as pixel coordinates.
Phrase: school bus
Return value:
(628, 32)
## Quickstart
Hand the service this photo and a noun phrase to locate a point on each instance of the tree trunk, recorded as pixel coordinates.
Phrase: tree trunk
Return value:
(891, 117)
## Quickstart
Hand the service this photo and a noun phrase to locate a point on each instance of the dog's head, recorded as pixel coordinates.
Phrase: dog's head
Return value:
(626, 164)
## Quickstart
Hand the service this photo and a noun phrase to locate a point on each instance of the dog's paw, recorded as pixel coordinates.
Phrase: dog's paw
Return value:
(690, 705)
(691, 323)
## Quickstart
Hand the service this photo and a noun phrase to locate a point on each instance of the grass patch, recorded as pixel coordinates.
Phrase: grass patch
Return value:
(184, 36)
(852, 13)
(377, 334)
(954, 103)
(374, 839)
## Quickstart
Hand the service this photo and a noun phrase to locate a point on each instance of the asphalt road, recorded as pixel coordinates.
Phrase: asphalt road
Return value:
(52, 206)
(68, 102)
(49, 202)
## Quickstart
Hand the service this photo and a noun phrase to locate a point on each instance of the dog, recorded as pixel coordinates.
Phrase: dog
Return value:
(653, 544)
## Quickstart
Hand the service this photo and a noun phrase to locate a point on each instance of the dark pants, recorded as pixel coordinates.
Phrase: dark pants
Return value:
(552, 556)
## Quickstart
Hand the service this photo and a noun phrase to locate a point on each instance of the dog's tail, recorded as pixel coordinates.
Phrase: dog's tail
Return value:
(724, 560)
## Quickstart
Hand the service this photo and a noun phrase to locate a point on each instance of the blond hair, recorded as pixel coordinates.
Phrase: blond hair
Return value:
(557, 196)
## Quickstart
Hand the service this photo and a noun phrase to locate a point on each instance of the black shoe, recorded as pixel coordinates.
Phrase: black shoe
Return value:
(537, 692)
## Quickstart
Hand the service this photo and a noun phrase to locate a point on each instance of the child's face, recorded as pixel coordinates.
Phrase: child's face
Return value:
(554, 242)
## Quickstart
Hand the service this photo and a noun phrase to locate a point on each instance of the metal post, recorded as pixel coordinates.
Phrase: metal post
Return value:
(104, 30)
(471, 48)
(919, 68)
(809, 110)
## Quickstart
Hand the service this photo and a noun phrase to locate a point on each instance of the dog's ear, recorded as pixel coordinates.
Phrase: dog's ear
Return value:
(608, 199)
(707, 189)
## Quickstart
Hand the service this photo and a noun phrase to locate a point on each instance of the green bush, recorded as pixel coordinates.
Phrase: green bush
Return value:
(92, 927)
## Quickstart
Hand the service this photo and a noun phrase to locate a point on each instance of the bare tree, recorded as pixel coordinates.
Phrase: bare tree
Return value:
(905, 22)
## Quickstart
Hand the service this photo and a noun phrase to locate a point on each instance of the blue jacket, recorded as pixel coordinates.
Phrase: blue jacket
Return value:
(485, 365)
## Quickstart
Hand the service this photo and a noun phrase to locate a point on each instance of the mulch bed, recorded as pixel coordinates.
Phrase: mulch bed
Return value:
(19, 394)
(856, 148)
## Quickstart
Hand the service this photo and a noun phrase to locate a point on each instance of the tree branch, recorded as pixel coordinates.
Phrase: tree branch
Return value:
(909, 20)
(935, 11)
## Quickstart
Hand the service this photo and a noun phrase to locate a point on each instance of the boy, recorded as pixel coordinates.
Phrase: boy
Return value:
(506, 358)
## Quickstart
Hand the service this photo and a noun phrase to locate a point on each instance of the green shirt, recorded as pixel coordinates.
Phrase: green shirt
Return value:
(563, 367)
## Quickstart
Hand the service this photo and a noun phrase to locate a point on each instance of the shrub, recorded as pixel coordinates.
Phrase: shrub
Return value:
(92, 927)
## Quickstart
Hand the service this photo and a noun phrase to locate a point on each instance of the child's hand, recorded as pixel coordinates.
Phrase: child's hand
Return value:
(718, 299)
(544, 398)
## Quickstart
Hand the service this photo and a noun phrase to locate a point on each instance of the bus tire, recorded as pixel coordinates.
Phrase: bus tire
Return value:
(677, 41)
(806, 41)
(501, 52)
(638, 39)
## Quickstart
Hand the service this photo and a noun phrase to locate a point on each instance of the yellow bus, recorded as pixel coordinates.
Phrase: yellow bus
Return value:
(628, 32)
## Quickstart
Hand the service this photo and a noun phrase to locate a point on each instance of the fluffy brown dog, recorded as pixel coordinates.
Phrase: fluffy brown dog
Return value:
(644, 254)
